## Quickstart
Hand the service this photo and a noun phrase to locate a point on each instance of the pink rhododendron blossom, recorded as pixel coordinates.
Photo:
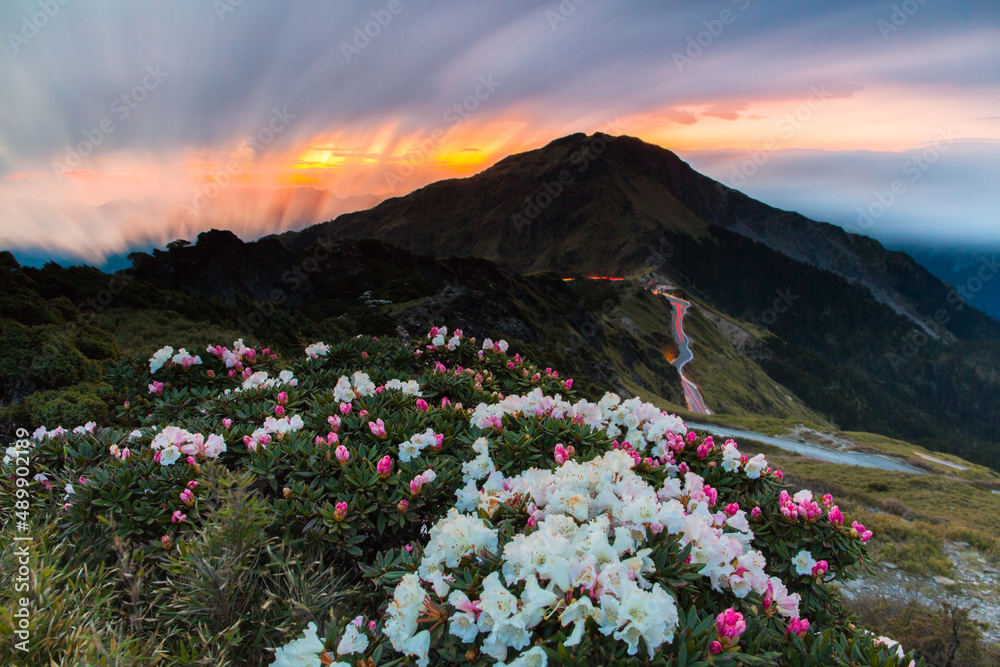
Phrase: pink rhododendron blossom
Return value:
(178, 516)
(156, 388)
(858, 530)
(821, 568)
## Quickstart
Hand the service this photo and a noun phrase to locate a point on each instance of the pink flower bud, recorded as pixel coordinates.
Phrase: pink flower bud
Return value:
(422, 405)
(384, 467)
(282, 398)
(227, 423)
(210, 373)
(731, 509)
(730, 624)
(167, 542)
(714, 648)
(334, 422)
(402, 506)
(835, 516)
(342, 454)
(187, 497)
(340, 511)
(345, 408)
(178, 516)
(279, 411)
(364, 355)
(797, 626)
(755, 513)
(568, 384)
(377, 428)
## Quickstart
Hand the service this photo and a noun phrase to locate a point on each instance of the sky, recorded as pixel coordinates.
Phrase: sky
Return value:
(126, 125)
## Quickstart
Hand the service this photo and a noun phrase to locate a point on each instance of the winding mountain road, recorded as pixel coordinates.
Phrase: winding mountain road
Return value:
(695, 401)
(697, 404)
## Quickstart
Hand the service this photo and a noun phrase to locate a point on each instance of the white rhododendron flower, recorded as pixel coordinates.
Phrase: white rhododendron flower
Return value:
(411, 448)
(159, 358)
(592, 522)
(303, 652)
(804, 563)
(184, 359)
(353, 641)
(410, 387)
(319, 349)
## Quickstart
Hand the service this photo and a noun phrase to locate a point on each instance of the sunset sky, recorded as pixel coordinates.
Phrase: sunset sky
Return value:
(128, 125)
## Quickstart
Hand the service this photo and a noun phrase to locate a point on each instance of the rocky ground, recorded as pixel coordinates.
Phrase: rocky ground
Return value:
(974, 584)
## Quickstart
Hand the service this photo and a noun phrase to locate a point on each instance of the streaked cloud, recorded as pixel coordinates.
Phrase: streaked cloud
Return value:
(380, 102)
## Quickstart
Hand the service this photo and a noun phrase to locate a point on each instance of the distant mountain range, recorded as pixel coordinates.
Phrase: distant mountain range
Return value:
(791, 319)
(974, 272)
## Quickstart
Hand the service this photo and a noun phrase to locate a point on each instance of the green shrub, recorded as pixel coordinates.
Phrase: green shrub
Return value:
(251, 502)
(945, 635)
(69, 406)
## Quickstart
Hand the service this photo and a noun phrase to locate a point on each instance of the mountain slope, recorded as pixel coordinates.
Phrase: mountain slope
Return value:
(617, 198)
(868, 335)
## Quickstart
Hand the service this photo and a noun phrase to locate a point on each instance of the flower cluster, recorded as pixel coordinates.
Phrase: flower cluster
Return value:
(531, 524)
(587, 558)
(273, 428)
(172, 442)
